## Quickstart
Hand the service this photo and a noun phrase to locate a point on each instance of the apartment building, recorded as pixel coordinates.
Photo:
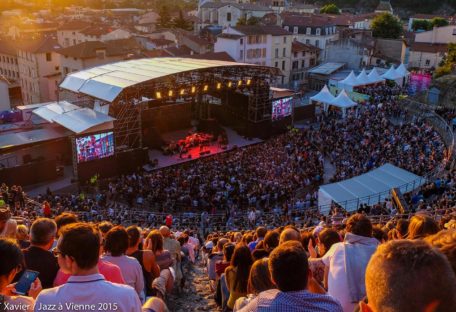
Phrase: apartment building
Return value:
(262, 45)
(310, 29)
(39, 69)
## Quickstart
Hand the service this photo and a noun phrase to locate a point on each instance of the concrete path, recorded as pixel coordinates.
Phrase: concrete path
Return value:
(329, 170)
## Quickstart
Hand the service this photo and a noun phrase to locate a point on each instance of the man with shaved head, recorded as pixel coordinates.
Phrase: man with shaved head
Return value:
(289, 234)
(171, 244)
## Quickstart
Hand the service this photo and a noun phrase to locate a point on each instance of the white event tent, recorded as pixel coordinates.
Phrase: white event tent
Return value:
(349, 82)
(402, 71)
(343, 101)
(369, 188)
(374, 76)
(324, 96)
(391, 74)
(362, 78)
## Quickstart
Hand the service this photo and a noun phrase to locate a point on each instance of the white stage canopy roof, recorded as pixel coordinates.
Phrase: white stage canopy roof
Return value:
(324, 96)
(75, 118)
(374, 76)
(369, 188)
(106, 82)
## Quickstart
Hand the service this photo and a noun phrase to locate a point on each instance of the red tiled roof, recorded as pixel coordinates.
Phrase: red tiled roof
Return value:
(262, 30)
(429, 48)
(216, 56)
(307, 20)
(297, 46)
(42, 45)
(89, 49)
(74, 25)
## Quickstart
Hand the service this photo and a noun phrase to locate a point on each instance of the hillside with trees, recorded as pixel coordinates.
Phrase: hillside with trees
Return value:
(411, 6)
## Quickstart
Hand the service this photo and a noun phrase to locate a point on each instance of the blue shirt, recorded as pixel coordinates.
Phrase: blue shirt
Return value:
(293, 301)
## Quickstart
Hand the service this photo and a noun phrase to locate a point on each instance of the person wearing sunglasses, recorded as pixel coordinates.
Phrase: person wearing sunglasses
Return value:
(77, 253)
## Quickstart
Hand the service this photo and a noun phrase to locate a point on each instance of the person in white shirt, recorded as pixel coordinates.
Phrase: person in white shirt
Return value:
(346, 262)
(77, 252)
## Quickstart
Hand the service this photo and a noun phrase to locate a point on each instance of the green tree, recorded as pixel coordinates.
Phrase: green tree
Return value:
(448, 63)
(386, 25)
(181, 22)
(439, 22)
(420, 24)
(330, 9)
(165, 17)
(242, 21)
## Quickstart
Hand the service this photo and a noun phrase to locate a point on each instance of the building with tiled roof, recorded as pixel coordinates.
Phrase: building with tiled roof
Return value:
(228, 13)
(316, 30)
(262, 45)
(8, 60)
(38, 62)
(303, 57)
(94, 53)
(77, 33)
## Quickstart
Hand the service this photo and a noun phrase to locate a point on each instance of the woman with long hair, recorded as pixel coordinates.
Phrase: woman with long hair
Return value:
(421, 226)
(259, 280)
(163, 283)
(237, 274)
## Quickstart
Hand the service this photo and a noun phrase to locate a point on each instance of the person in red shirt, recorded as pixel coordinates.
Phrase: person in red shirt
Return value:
(110, 271)
(46, 209)
(169, 220)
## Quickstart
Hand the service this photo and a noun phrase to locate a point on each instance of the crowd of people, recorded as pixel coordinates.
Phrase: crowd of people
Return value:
(353, 266)
(345, 263)
(91, 256)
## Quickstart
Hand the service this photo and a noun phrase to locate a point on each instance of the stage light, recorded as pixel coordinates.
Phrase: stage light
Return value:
(158, 95)
(230, 84)
(219, 85)
(182, 92)
(206, 87)
(249, 82)
(193, 89)
(239, 83)
(170, 93)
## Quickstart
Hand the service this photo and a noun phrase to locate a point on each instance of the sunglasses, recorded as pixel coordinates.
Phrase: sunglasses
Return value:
(56, 252)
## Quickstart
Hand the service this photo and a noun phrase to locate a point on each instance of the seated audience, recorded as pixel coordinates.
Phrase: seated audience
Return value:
(78, 251)
(38, 256)
(115, 247)
(11, 260)
(289, 271)
(237, 274)
(405, 275)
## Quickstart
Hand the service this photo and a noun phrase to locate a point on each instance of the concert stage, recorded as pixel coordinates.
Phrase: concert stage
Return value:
(234, 139)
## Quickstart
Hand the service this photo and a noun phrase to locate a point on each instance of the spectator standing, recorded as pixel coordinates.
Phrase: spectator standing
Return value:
(346, 262)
